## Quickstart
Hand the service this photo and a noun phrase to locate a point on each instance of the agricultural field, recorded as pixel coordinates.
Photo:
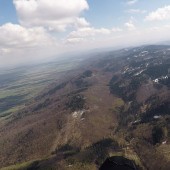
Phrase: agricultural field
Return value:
(19, 85)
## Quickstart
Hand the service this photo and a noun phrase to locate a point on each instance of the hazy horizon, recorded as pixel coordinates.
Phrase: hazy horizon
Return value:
(33, 31)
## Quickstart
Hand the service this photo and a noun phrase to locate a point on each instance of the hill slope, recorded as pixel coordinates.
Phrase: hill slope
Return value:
(119, 104)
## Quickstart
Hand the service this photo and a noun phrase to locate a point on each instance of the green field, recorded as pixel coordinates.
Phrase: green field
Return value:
(19, 85)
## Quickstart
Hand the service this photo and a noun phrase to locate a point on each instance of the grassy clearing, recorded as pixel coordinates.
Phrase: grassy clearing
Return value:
(80, 166)
(10, 111)
(130, 154)
(18, 166)
(118, 102)
(165, 150)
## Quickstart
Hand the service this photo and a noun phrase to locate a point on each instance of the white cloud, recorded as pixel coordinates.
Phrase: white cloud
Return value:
(116, 29)
(16, 36)
(122, 39)
(33, 39)
(136, 11)
(84, 34)
(19, 44)
(81, 22)
(89, 33)
(130, 25)
(159, 14)
(132, 2)
(52, 14)
(74, 40)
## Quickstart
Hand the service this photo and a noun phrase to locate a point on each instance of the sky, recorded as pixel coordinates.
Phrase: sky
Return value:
(36, 30)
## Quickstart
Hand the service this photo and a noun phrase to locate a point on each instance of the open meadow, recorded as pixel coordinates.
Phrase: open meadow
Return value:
(19, 85)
